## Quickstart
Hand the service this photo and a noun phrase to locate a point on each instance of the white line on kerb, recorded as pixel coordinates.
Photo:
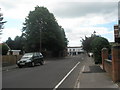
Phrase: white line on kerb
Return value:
(66, 76)
(78, 85)
(83, 68)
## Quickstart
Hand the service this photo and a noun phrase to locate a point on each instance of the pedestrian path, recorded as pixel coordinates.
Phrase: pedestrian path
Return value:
(9, 67)
(92, 76)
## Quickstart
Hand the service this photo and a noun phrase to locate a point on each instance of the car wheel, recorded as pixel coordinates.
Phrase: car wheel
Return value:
(42, 62)
(32, 64)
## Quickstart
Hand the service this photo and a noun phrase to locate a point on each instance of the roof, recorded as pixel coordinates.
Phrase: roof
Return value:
(75, 47)
(15, 50)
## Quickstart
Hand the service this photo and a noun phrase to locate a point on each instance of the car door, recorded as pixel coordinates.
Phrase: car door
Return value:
(36, 57)
(41, 56)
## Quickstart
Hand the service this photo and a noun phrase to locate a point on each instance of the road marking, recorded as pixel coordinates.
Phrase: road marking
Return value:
(77, 84)
(83, 68)
(66, 76)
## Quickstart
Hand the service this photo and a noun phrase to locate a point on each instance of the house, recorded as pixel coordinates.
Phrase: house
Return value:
(74, 50)
(13, 52)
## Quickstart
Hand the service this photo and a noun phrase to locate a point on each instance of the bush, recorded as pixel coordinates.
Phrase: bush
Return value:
(4, 49)
(97, 45)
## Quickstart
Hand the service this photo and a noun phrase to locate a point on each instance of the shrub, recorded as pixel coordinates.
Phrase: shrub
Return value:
(97, 44)
(4, 49)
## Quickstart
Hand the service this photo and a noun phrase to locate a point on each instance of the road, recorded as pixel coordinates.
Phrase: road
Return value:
(57, 73)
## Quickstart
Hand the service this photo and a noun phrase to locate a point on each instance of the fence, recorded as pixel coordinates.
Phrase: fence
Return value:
(10, 59)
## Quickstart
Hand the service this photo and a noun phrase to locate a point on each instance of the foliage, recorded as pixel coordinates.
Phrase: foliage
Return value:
(41, 28)
(86, 43)
(10, 43)
(16, 44)
(97, 45)
(19, 43)
(4, 49)
(1, 22)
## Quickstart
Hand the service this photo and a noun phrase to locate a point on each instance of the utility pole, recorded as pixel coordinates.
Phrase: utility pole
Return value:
(40, 40)
(40, 29)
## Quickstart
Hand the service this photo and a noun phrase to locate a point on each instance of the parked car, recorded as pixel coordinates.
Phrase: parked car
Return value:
(31, 59)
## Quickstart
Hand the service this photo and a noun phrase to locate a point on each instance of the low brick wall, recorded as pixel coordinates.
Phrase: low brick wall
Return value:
(112, 66)
(108, 66)
(10, 59)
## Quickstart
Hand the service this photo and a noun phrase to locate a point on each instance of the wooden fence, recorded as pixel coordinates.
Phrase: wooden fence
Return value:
(10, 59)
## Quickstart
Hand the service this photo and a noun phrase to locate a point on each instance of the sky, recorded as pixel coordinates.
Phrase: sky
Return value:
(79, 18)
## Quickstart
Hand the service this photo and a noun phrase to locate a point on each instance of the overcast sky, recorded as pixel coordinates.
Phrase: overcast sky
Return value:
(79, 18)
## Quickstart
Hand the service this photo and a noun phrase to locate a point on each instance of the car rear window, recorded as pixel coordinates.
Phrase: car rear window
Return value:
(28, 55)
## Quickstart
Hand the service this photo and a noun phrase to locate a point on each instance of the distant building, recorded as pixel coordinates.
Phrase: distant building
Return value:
(74, 50)
(13, 52)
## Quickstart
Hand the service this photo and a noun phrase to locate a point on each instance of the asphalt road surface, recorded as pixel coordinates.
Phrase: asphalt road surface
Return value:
(57, 73)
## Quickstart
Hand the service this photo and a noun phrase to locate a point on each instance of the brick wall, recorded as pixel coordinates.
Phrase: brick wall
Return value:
(116, 63)
(108, 66)
(113, 66)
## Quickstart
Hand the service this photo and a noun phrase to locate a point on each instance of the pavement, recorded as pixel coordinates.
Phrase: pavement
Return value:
(92, 76)
(6, 68)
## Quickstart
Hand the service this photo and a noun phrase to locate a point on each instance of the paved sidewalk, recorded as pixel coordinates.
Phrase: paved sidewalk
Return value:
(92, 76)
(9, 67)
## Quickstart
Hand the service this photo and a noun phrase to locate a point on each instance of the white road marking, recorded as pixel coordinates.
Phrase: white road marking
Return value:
(66, 76)
(83, 68)
(78, 85)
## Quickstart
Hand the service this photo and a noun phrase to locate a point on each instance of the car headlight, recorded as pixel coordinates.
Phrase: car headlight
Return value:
(18, 61)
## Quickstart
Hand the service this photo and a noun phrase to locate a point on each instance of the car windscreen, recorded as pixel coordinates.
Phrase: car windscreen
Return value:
(27, 55)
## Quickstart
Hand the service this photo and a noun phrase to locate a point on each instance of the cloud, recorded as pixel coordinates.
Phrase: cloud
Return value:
(10, 32)
(81, 9)
(77, 34)
(78, 17)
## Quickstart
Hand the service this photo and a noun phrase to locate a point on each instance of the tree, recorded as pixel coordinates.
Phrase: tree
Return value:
(41, 29)
(86, 43)
(18, 43)
(10, 43)
(97, 45)
(1, 22)
(4, 48)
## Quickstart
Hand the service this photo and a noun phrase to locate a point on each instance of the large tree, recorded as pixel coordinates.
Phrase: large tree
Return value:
(42, 30)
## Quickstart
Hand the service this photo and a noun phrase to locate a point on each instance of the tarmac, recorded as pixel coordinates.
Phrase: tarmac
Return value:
(91, 76)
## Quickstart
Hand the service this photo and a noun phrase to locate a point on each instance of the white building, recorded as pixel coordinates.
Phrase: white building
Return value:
(13, 52)
(74, 50)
